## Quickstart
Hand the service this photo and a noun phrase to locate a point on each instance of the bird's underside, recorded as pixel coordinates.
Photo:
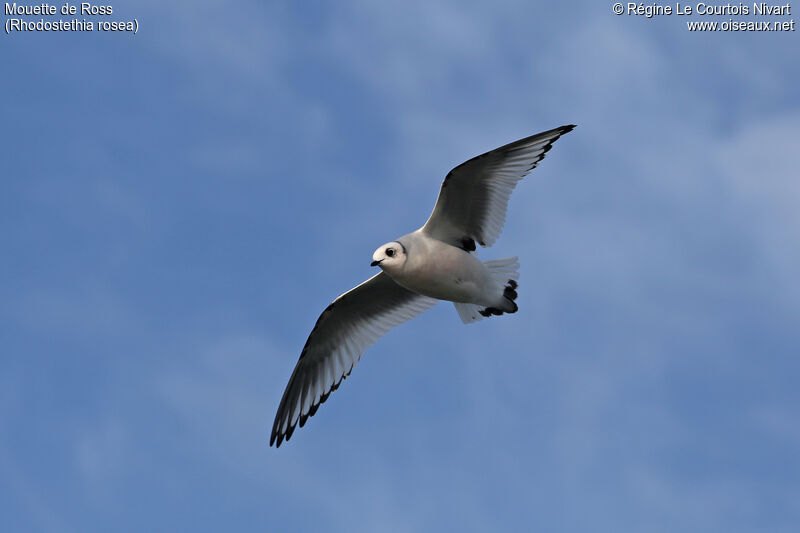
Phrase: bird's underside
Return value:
(470, 210)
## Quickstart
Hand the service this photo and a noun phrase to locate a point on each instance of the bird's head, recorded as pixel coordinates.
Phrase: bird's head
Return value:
(390, 256)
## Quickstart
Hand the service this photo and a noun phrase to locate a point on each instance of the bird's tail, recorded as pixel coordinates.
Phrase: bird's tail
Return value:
(505, 273)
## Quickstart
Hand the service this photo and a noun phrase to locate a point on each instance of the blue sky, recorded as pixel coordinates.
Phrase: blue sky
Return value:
(178, 206)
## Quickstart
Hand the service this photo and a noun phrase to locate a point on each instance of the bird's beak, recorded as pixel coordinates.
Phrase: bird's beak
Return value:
(375, 263)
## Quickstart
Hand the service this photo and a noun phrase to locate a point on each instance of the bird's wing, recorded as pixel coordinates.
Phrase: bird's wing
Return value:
(474, 196)
(352, 323)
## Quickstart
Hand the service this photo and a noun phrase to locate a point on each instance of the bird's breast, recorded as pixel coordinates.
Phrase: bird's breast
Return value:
(444, 272)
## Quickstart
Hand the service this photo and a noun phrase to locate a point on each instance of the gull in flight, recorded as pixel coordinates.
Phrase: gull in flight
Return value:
(417, 270)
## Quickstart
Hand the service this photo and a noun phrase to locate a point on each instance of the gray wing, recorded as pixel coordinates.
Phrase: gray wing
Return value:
(351, 324)
(474, 196)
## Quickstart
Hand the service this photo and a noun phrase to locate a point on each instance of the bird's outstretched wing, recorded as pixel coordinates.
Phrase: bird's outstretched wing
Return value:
(352, 323)
(474, 196)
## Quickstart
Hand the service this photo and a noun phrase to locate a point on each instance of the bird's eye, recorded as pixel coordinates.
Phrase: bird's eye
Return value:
(390, 252)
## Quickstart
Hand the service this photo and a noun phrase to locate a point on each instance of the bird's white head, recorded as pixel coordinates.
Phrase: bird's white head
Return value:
(390, 256)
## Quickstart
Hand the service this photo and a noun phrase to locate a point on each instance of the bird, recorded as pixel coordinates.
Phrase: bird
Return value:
(433, 263)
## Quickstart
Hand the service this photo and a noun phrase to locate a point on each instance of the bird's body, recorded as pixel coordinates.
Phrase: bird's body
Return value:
(439, 270)
(418, 269)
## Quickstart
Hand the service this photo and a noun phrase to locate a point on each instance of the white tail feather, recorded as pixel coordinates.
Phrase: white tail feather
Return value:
(468, 313)
(503, 270)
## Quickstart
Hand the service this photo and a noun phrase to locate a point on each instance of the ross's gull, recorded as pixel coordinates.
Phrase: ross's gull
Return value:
(433, 263)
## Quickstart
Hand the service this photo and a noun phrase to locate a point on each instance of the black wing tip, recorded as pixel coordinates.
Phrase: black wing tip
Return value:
(564, 130)
(559, 131)
(556, 134)
(278, 437)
